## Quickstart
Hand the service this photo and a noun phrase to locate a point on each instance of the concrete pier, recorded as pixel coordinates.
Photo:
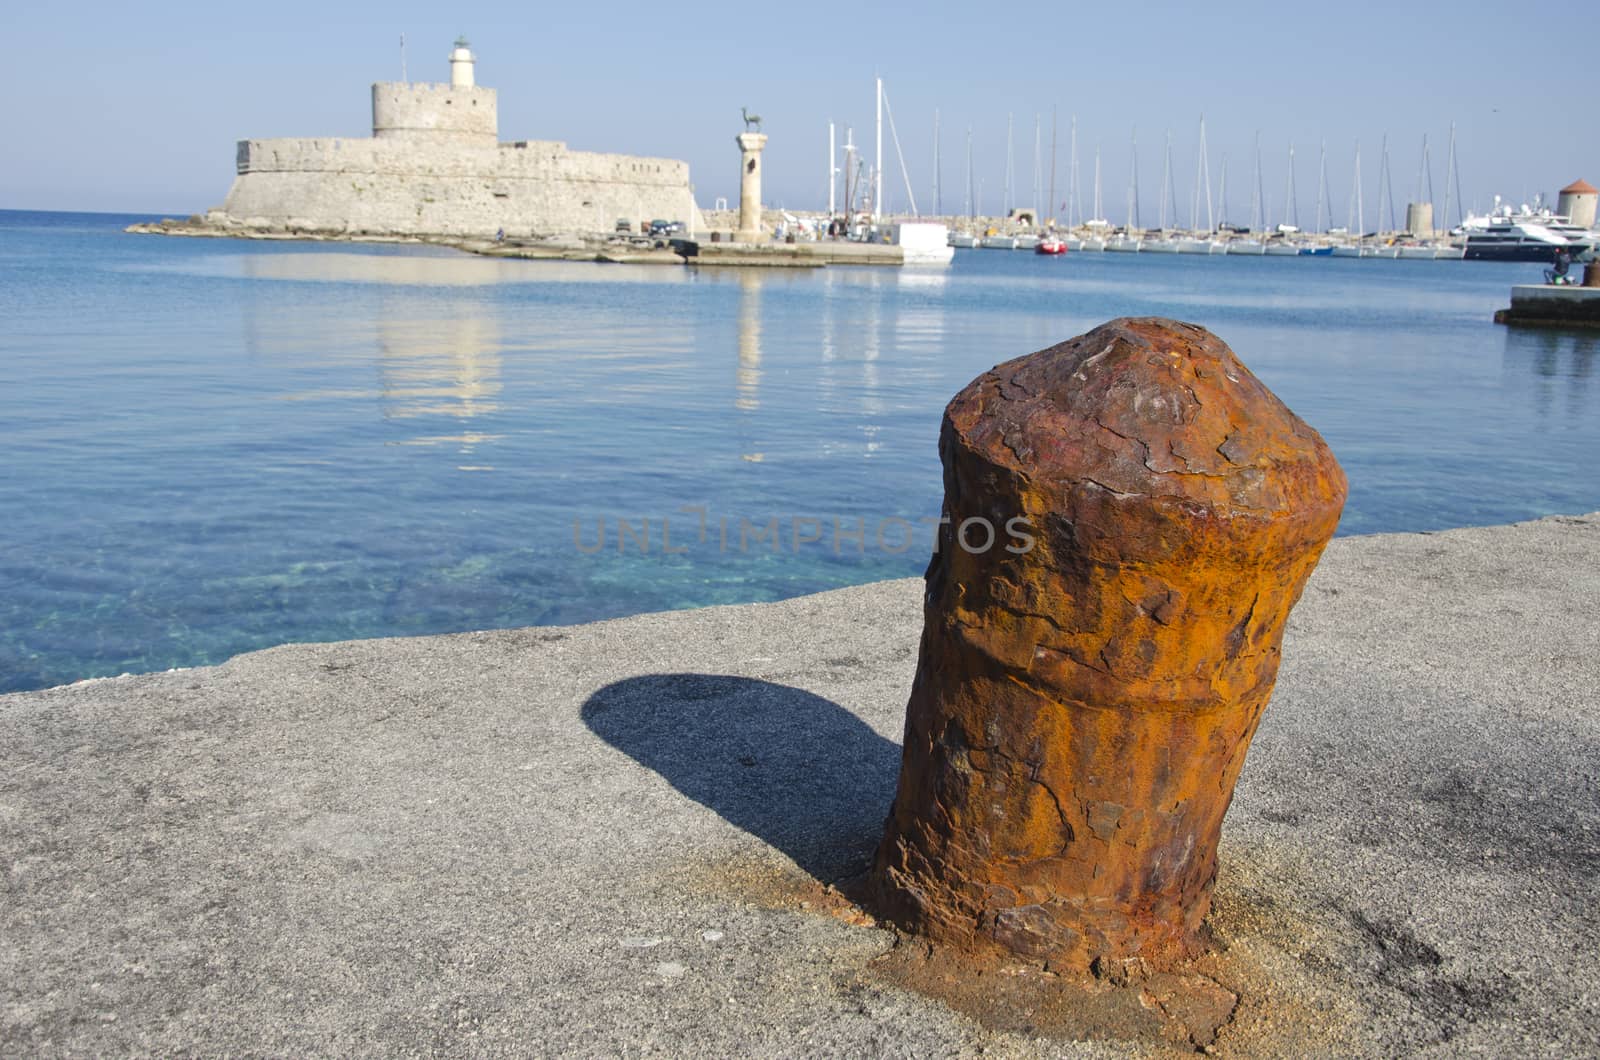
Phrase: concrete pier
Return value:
(1546, 305)
(618, 838)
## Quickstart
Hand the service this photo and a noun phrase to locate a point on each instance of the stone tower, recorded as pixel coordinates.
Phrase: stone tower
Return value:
(459, 112)
(1577, 203)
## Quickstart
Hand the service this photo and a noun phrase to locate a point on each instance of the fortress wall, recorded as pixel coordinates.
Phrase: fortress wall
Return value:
(326, 154)
(554, 161)
(419, 187)
(531, 159)
(435, 112)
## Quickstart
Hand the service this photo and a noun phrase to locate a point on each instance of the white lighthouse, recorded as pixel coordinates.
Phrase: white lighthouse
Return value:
(461, 63)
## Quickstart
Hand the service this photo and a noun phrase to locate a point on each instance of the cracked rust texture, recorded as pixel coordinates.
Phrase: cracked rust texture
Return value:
(1081, 710)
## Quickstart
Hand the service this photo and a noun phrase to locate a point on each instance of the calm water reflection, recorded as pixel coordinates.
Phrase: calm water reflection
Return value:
(217, 446)
(1562, 363)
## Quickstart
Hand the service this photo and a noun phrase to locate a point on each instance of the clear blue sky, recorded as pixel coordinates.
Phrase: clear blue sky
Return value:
(136, 107)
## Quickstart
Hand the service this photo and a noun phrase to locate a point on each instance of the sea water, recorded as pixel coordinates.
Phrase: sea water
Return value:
(215, 445)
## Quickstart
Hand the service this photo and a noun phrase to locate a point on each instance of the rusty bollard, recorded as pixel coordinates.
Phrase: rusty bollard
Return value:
(1082, 706)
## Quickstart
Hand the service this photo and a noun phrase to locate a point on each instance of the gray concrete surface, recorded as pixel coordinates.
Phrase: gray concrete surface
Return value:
(605, 840)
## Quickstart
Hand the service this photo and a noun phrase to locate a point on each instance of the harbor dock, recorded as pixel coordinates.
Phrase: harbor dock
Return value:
(1546, 305)
(620, 837)
(805, 254)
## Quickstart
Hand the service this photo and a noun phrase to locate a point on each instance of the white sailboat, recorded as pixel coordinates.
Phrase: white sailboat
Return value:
(1290, 225)
(1358, 215)
(1252, 245)
(1128, 242)
(1319, 225)
(1318, 244)
(1097, 225)
(1074, 204)
(998, 241)
(1193, 244)
(1452, 194)
(1075, 189)
(1163, 243)
(1218, 244)
(966, 240)
(921, 242)
(1381, 249)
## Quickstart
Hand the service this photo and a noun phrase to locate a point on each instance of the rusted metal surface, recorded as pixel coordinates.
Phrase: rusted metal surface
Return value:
(1082, 707)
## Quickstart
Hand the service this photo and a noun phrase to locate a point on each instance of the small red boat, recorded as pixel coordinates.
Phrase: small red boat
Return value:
(1050, 245)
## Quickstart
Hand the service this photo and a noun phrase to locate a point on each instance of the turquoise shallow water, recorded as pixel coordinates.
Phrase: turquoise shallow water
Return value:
(214, 446)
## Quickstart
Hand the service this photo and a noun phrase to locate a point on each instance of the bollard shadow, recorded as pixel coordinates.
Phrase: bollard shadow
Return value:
(793, 769)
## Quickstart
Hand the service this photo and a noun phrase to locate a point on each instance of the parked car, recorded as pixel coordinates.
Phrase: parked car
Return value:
(665, 228)
(624, 226)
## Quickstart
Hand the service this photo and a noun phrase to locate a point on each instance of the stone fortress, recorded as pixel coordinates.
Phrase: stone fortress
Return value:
(435, 166)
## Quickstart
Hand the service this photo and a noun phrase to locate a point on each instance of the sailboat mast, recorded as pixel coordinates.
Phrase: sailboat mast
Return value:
(1099, 214)
(1166, 180)
(1075, 191)
(1133, 182)
(877, 176)
(971, 201)
(1038, 173)
(1006, 204)
(1257, 220)
(1383, 185)
(1052, 203)
(1450, 175)
(1423, 175)
(1222, 194)
(1291, 213)
(832, 171)
(1322, 186)
(900, 155)
(1361, 205)
(938, 189)
(1199, 166)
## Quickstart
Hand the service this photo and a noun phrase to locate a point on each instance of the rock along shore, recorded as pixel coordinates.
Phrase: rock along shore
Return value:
(616, 838)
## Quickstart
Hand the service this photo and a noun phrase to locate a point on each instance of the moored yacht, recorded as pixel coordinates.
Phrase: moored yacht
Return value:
(1524, 235)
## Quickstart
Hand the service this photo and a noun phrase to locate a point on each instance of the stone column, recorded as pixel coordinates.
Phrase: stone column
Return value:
(750, 148)
(1131, 517)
